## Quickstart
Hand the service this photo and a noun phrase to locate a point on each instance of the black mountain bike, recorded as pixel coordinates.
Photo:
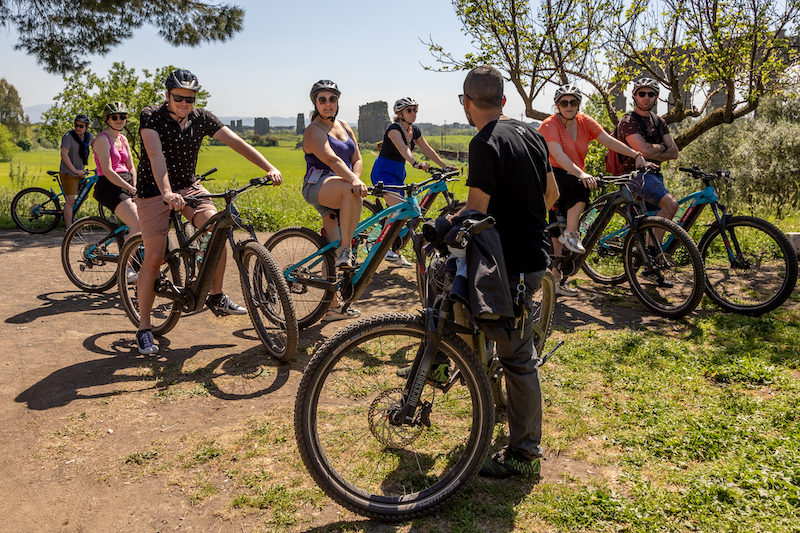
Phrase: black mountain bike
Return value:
(188, 271)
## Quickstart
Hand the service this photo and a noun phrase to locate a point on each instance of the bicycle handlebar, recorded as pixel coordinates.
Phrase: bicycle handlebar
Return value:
(438, 175)
(699, 174)
(470, 227)
(194, 200)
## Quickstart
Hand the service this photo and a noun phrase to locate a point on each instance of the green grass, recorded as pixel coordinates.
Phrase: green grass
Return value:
(267, 209)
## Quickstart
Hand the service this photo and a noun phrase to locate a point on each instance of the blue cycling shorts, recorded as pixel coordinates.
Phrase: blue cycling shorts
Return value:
(389, 172)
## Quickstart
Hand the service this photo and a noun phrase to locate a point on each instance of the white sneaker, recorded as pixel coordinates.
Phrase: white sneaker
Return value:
(572, 241)
(398, 259)
(131, 275)
(562, 289)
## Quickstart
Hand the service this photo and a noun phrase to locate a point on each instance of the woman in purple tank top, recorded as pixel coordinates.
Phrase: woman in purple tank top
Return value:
(333, 176)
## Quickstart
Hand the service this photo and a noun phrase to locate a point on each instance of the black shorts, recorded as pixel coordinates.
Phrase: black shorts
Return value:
(108, 194)
(571, 189)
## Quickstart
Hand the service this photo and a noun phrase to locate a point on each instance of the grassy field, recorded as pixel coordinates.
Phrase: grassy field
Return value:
(268, 209)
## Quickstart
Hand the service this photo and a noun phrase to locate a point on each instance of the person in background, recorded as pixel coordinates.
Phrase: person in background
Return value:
(172, 134)
(74, 158)
(333, 178)
(396, 148)
(568, 133)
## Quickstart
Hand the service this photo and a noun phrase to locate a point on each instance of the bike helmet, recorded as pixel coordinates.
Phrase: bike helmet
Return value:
(324, 85)
(403, 103)
(115, 107)
(645, 82)
(564, 90)
(82, 118)
(182, 79)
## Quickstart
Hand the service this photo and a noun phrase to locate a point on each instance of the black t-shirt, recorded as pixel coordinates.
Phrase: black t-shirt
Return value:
(651, 132)
(389, 150)
(509, 161)
(180, 147)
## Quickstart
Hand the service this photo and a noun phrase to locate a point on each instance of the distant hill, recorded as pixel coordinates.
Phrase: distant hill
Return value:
(34, 112)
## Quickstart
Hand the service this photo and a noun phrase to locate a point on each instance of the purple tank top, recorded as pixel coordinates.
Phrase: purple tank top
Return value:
(344, 149)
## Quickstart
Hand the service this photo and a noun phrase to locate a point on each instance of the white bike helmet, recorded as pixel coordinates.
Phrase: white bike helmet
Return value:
(568, 89)
(645, 82)
(403, 103)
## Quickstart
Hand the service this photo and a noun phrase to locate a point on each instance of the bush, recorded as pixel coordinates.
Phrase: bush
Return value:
(263, 140)
(7, 146)
(25, 144)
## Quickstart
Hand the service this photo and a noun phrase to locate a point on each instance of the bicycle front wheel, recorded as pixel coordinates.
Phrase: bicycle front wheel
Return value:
(674, 286)
(268, 302)
(603, 262)
(289, 246)
(750, 270)
(90, 254)
(165, 312)
(352, 450)
(35, 210)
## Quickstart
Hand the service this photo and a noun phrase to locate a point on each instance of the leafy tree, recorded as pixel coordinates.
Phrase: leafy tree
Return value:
(11, 112)
(61, 35)
(86, 92)
(726, 54)
(7, 146)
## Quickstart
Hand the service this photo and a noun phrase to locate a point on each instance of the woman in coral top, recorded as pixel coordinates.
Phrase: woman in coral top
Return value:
(568, 134)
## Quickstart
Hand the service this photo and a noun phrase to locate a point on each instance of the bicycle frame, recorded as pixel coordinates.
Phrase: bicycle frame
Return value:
(84, 186)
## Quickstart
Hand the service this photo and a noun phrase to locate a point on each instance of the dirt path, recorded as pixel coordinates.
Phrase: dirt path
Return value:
(77, 402)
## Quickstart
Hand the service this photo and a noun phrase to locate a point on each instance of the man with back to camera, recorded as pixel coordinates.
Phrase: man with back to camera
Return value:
(172, 134)
(510, 178)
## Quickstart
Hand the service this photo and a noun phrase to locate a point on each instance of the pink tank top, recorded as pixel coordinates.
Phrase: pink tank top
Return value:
(118, 157)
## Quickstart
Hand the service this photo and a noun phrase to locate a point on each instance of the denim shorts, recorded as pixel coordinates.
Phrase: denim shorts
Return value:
(651, 188)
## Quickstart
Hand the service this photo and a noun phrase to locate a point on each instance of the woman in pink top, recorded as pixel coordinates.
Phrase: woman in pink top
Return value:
(568, 134)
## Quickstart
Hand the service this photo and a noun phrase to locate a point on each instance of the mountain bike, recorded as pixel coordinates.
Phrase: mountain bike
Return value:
(307, 258)
(391, 447)
(90, 253)
(669, 282)
(751, 267)
(37, 210)
(188, 270)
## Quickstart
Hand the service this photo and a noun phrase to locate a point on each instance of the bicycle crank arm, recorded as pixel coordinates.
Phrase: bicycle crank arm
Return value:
(551, 352)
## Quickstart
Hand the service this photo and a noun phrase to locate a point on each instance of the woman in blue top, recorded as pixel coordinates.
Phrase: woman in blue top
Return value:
(396, 149)
(333, 170)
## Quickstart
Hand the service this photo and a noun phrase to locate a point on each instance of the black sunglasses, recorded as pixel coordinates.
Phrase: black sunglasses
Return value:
(179, 98)
(649, 94)
(118, 117)
(461, 98)
(79, 125)
(569, 103)
(324, 99)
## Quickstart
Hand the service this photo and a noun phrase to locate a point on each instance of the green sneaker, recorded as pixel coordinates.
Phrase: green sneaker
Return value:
(439, 373)
(503, 464)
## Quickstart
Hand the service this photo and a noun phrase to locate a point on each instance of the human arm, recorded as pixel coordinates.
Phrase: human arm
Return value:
(355, 160)
(663, 151)
(430, 152)
(65, 158)
(237, 144)
(551, 193)
(397, 139)
(102, 149)
(621, 148)
(563, 160)
(158, 163)
(129, 162)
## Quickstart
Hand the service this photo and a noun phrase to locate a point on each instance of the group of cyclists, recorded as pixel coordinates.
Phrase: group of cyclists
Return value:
(516, 175)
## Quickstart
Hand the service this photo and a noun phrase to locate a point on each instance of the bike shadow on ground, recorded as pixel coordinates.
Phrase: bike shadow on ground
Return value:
(60, 302)
(121, 370)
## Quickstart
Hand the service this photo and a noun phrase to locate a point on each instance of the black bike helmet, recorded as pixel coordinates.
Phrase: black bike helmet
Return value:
(324, 85)
(82, 118)
(115, 107)
(182, 79)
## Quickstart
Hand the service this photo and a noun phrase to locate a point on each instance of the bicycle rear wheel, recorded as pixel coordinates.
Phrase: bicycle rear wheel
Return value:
(603, 262)
(353, 452)
(675, 286)
(165, 312)
(763, 274)
(289, 246)
(90, 254)
(268, 302)
(27, 210)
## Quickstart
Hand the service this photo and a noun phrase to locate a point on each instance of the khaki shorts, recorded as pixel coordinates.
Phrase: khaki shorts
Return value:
(154, 213)
(70, 183)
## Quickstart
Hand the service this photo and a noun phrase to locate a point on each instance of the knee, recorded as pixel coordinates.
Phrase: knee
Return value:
(669, 204)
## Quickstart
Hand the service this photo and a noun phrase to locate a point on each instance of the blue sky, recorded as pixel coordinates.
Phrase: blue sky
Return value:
(372, 49)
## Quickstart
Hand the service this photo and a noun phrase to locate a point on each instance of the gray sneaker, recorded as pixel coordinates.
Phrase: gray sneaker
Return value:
(344, 259)
(223, 306)
(146, 343)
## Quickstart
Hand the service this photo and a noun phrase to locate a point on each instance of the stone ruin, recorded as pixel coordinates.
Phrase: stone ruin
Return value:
(261, 126)
(373, 119)
(236, 125)
(301, 124)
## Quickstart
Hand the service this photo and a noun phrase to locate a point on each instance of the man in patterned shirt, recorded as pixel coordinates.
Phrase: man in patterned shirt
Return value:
(172, 134)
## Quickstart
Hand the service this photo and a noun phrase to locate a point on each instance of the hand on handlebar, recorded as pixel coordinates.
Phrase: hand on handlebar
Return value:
(360, 188)
(274, 176)
(174, 200)
(588, 181)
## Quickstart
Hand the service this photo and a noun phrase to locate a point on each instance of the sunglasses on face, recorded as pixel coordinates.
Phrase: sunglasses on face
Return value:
(179, 98)
(568, 103)
(413, 109)
(461, 98)
(325, 99)
(649, 94)
(79, 125)
(118, 117)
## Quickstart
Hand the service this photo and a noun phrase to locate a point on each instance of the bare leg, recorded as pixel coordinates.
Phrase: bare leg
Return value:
(69, 205)
(153, 256)
(338, 193)
(126, 212)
